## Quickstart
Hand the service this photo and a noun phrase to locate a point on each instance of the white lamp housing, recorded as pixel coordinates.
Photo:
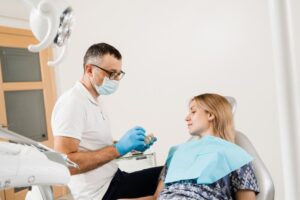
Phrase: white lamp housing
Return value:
(51, 22)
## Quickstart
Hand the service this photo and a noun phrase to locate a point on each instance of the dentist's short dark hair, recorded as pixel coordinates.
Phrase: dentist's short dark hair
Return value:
(99, 50)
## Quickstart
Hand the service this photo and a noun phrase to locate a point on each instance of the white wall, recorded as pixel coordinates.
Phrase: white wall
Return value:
(14, 14)
(295, 18)
(176, 49)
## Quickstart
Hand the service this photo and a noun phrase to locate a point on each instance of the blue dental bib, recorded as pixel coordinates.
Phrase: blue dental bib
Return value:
(206, 160)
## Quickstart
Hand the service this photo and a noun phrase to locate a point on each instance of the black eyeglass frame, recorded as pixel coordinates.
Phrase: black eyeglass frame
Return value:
(112, 75)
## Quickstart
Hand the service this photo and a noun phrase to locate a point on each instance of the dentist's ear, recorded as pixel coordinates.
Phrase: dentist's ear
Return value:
(210, 117)
(88, 69)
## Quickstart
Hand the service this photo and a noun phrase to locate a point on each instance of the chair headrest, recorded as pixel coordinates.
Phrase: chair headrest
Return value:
(233, 103)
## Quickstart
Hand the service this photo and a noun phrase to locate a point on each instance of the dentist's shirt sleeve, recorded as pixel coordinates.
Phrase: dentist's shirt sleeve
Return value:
(68, 118)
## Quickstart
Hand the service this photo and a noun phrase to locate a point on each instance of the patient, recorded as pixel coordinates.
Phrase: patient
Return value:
(212, 166)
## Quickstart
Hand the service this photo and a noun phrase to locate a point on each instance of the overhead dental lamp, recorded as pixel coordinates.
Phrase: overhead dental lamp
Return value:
(51, 23)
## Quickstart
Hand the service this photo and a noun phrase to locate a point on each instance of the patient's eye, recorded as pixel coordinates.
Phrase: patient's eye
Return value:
(193, 110)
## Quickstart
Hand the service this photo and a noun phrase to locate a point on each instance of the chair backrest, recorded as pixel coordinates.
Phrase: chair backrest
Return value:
(265, 183)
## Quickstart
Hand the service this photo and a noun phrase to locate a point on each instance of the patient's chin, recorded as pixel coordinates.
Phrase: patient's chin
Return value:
(195, 134)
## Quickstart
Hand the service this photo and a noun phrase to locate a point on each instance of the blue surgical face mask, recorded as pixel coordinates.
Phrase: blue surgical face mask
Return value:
(108, 86)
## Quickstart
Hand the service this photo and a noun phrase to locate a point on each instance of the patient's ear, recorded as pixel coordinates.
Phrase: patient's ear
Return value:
(210, 116)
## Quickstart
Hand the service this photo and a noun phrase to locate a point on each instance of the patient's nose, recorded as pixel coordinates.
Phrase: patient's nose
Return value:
(187, 118)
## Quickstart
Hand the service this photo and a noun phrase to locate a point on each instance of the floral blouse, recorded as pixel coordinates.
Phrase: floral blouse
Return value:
(224, 189)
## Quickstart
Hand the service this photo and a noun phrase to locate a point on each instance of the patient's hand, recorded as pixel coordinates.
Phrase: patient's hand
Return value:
(245, 195)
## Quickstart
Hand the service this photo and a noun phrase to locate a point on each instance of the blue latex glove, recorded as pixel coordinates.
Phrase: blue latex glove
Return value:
(132, 140)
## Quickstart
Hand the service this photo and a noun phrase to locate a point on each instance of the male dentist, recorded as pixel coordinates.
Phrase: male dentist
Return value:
(82, 132)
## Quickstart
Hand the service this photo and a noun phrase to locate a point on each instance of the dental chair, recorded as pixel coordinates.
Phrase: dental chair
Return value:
(264, 180)
(265, 183)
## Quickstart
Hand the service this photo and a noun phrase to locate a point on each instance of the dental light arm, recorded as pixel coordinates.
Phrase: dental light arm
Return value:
(51, 22)
(25, 162)
(26, 166)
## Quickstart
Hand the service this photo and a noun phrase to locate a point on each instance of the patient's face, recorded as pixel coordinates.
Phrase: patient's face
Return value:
(197, 120)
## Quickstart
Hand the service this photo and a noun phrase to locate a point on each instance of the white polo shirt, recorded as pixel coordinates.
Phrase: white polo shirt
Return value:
(78, 115)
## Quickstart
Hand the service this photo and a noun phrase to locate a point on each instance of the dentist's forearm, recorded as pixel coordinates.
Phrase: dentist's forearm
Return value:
(92, 159)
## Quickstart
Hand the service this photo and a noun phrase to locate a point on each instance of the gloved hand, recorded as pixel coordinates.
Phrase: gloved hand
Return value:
(145, 147)
(132, 140)
(149, 144)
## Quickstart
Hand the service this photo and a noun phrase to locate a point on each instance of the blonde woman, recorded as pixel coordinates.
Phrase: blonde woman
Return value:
(211, 167)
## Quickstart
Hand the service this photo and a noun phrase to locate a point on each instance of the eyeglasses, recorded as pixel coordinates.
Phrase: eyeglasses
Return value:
(112, 75)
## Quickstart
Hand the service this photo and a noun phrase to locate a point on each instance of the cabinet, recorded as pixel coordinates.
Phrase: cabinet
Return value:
(1, 195)
(135, 162)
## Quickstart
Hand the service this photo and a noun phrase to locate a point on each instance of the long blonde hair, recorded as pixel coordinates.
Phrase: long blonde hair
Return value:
(218, 106)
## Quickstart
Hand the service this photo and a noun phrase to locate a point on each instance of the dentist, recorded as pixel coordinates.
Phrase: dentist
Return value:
(82, 132)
